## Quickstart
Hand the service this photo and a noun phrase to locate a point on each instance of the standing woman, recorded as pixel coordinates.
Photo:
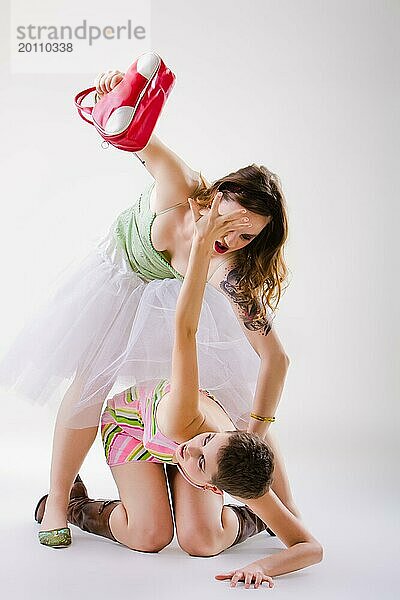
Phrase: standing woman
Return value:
(109, 328)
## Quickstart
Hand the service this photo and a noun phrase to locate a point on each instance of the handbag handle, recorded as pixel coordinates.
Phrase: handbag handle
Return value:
(84, 109)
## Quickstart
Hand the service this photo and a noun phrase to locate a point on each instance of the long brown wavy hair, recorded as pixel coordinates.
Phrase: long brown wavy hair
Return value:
(260, 264)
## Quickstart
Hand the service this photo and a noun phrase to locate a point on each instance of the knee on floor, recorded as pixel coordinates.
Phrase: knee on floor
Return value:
(199, 542)
(149, 539)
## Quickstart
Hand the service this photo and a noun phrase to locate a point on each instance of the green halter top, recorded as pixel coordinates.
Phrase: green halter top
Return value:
(133, 232)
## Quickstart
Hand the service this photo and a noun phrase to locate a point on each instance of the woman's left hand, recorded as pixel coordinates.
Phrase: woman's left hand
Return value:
(252, 574)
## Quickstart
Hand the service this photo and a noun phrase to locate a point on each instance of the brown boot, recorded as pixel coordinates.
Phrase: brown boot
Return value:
(92, 515)
(249, 523)
(78, 490)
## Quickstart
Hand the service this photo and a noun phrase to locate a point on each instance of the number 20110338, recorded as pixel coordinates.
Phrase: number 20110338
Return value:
(45, 47)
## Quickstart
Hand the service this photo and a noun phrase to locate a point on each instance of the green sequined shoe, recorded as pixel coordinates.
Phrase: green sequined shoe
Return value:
(56, 538)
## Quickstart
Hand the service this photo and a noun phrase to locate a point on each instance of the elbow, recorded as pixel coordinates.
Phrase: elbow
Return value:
(184, 329)
(279, 361)
(186, 336)
(190, 332)
(317, 552)
(285, 361)
(273, 354)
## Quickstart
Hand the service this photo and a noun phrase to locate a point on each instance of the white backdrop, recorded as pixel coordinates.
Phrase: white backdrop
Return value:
(311, 90)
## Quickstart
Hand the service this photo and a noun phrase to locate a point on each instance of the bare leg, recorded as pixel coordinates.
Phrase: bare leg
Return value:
(204, 526)
(144, 519)
(70, 447)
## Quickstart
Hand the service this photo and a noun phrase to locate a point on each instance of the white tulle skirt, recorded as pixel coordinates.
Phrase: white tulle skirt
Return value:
(106, 329)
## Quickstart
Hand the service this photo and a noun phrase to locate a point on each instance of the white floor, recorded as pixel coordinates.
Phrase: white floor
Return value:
(347, 502)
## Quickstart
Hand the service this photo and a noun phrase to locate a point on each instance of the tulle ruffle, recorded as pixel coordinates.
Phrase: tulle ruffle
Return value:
(107, 329)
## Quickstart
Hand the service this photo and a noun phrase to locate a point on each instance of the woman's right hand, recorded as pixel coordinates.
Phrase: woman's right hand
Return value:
(212, 226)
(107, 81)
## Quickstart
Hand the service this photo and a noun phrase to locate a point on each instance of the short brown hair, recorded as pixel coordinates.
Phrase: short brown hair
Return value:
(245, 466)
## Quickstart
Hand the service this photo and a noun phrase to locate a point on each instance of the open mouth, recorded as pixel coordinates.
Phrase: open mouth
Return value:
(220, 248)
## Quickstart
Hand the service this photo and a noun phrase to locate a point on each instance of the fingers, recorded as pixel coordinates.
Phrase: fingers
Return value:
(247, 577)
(269, 580)
(215, 204)
(115, 80)
(223, 576)
(215, 224)
(100, 83)
(194, 207)
(107, 81)
(229, 216)
(237, 576)
(236, 219)
(236, 225)
(259, 579)
(236, 214)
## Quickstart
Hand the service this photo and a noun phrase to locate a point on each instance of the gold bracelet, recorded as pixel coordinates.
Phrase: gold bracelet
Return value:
(264, 419)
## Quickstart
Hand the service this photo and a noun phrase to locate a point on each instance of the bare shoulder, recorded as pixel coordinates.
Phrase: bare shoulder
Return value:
(167, 230)
(220, 271)
(225, 278)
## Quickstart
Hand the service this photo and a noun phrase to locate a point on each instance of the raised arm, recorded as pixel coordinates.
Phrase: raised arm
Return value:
(163, 164)
(183, 402)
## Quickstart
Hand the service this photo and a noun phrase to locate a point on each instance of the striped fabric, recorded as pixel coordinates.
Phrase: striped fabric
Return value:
(129, 428)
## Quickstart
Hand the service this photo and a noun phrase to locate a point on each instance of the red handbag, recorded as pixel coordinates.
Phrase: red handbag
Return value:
(126, 116)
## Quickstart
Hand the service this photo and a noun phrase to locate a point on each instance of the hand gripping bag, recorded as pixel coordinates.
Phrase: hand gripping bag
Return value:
(126, 116)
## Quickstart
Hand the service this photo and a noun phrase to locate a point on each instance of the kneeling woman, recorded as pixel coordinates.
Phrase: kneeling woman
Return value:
(174, 422)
